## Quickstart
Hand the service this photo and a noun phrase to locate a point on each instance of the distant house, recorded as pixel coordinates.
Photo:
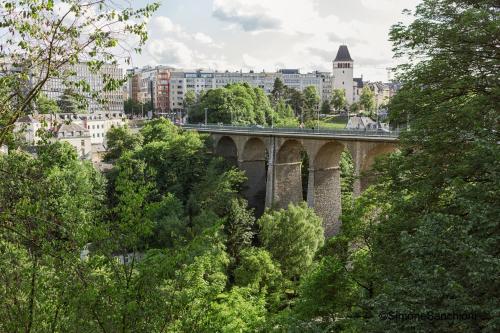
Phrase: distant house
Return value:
(29, 126)
(77, 136)
(365, 124)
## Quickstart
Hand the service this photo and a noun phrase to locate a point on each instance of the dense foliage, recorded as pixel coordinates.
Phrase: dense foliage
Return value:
(42, 39)
(164, 242)
(418, 251)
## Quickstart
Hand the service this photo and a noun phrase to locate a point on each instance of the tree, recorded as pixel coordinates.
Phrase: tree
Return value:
(189, 99)
(133, 107)
(354, 107)
(119, 140)
(46, 106)
(45, 39)
(70, 102)
(311, 103)
(292, 236)
(284, 116)
(296, 101)
(279, 90)
(443, 222)
(236, 104)
(238, 228)
(367, 99)
(338, 99)
(325, 107)
(159, 130)
(51, 208)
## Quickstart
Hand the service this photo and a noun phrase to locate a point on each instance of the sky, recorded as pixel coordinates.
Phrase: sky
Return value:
(271, 34)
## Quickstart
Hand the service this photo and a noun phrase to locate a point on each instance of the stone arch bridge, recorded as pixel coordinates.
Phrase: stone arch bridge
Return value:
(272, 161)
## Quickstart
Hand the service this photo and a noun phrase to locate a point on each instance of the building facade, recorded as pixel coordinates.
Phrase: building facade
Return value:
(150, 85)
(200, 80)
(106, 101)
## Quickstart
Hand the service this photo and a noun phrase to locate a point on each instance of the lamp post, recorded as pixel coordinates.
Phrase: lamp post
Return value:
(206, 116)
(318, 120)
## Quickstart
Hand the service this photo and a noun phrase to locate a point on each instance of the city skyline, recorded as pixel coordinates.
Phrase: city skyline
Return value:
(258, 35)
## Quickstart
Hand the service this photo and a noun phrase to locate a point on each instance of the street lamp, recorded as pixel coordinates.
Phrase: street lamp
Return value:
(318, 119)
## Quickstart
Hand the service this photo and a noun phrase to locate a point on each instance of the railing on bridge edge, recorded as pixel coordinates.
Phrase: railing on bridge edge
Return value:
(294, 130)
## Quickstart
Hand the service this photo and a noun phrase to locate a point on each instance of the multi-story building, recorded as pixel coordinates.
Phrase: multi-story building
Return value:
(77, 136)
(200, 80)
(106, 101)
(263, 80)
(150, 85)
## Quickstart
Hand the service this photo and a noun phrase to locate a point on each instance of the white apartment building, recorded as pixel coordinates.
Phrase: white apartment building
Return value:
(200, 80)
(97, 124)
(77, 136)
(107, 101)
(263, 80)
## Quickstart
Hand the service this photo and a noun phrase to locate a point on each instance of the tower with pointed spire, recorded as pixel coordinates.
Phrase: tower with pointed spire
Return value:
(343, 72)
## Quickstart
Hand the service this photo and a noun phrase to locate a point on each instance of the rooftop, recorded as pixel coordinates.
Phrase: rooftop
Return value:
(343, 54)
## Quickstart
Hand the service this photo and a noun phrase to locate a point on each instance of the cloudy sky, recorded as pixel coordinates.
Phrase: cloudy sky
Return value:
(271, 34)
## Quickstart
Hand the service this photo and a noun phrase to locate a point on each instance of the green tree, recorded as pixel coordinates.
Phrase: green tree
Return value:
(311, 103)
(296, 101)
(284, 116)
(239, 227)
(325, 107)
(50, 38)
(367, 99)
(238, 310)
(189, 99)
(119, 140)
(279, 90)
(50, 208)
(292, 236)
(71, 102)
(46, 106)
(159, 130)
(443, 189)
(236, 104)
(132, 107)
(338, 101)
(354, 107)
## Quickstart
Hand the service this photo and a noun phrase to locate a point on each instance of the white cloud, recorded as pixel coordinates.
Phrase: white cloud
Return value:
(203, 38)
(271, 34)
(171, 52)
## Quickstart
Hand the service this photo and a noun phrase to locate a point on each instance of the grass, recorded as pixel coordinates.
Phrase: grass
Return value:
(333, 122)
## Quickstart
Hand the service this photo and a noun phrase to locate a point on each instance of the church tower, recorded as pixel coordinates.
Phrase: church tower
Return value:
(343, 72)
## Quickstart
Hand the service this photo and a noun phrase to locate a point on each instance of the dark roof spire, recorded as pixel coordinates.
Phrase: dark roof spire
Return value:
(343, 54)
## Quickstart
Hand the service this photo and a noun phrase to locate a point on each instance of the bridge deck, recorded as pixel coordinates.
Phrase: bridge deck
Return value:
(354, 135)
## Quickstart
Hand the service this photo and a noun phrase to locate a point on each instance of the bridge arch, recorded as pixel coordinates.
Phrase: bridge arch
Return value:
(253, 161)
(253, 149)
(328, 156)
(289, 180)
(367, 175)
(226, 147)
(290, 151)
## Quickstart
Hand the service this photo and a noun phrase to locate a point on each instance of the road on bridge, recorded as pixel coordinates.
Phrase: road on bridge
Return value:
(369, 135)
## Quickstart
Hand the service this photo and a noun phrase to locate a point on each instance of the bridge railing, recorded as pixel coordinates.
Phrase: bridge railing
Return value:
(292, 130)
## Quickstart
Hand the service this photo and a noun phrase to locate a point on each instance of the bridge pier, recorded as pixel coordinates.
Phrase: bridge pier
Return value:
(326, 197)
(287, 184)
